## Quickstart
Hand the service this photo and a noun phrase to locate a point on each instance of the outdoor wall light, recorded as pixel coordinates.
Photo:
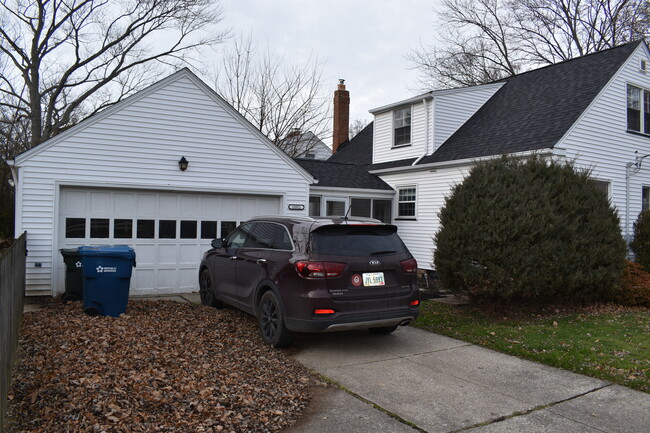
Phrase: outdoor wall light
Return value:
(183, 163)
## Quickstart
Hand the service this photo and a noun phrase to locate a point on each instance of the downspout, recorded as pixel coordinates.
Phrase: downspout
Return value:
(426, 136)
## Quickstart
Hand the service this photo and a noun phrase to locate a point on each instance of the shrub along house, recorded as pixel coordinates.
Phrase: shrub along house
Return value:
(593, 110)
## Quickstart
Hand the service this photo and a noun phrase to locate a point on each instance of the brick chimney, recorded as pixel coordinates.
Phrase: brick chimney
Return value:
(341, 116)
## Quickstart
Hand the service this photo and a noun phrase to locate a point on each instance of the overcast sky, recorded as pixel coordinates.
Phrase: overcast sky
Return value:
(361, 41)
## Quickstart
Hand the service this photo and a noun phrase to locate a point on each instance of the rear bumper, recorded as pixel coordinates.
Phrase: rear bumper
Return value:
(345, 322)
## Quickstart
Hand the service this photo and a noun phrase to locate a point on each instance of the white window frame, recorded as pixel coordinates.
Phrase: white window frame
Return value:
(644, 127)
(604, 181)
(398, 123)
(415, 203)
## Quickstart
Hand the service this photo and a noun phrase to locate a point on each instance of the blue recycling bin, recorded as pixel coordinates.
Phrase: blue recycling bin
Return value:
(106, 278)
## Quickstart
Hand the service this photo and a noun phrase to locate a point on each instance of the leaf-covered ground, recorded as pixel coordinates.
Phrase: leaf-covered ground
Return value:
(162, 367)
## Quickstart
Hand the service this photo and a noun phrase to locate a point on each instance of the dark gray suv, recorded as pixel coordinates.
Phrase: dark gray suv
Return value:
(301, 274)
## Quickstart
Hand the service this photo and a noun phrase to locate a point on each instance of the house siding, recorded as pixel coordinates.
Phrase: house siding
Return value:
(138, 147)
(452, 110)
(599, 141)
(432, 189)
(383, 136)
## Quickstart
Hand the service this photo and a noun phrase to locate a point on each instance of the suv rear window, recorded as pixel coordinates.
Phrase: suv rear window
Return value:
(356, 241)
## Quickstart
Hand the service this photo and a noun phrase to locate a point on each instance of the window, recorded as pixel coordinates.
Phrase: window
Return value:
(360, 207)
(99, 227)
(406, 202)
(638, 109)
(75, 228)
(334, 207)
(602, 186)
(240, 236)
(269, 235)
(402, 126)
(645, 198)
(208, 229)
(122, 229)
(188, 229)
(167, 229)
(314, 205)
(227, 227)
(146, 229)
(381, 210)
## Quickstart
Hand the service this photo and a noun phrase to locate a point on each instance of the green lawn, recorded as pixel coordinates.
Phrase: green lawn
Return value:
(604, 343)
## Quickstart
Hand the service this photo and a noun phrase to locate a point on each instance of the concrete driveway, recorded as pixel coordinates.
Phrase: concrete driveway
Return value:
(413, 380)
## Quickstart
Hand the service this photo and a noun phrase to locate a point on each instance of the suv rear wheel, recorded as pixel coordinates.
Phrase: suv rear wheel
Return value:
(206, 292)
(272, 327)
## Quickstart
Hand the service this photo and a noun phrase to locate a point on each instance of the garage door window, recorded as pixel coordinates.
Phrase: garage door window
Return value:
(167, 229)
(75, 228)
(99, 227)
(123, 229)
(227, 227)
(146, 229)
(208, 229)
(188, 229)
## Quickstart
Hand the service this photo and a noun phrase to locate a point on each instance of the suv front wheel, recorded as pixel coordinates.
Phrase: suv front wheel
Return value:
(272, 327)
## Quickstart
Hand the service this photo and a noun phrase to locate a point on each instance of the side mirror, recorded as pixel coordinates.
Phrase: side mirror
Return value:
(217, 243)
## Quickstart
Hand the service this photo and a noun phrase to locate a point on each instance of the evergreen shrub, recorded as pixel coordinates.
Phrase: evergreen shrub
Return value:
(640, 245)
(529, 230)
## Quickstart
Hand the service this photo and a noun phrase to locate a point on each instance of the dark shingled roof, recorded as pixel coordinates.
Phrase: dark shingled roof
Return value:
(356, 151)
(531, 111)
(342, 175)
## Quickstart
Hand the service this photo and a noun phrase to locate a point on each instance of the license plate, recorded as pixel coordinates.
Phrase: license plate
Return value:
(373, 279)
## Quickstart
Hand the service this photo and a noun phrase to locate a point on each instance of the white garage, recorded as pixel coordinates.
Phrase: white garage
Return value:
(164, 171)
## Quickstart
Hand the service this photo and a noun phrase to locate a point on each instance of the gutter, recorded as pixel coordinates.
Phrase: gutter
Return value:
(14, 171)
(457, 162)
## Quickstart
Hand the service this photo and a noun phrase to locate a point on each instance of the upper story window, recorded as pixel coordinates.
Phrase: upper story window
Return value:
(406, 202)
(638, 109)
(402, 127)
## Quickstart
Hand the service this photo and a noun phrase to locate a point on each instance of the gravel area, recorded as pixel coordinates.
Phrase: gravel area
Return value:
(163, 367)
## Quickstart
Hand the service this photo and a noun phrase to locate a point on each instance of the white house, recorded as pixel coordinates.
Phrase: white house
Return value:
(593, 110)
(164, 171)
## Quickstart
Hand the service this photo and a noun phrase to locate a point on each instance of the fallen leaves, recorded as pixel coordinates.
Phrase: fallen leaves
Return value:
(164, 366)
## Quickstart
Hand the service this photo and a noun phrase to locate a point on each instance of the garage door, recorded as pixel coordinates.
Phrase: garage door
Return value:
(169, 231)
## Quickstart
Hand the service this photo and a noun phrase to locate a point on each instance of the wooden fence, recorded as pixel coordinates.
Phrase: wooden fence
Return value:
(12, 293)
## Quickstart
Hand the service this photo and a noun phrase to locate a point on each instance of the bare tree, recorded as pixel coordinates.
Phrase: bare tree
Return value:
(63, 60)
(285, 102)
(357, 126)
(76, 57)
(486, 40)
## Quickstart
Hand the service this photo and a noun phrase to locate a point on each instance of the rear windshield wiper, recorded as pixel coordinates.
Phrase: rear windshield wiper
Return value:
(376, 253)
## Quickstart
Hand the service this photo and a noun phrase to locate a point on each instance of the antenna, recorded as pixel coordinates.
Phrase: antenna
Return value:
(345, 217)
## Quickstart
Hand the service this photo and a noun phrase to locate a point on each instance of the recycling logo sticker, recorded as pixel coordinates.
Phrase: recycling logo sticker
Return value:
(78, 265)
(105, 269)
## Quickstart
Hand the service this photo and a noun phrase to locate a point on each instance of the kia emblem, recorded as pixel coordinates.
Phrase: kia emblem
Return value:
(374, 263)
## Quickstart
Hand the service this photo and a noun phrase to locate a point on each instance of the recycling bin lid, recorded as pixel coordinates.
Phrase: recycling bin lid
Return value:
(69, 251)
(123, 251)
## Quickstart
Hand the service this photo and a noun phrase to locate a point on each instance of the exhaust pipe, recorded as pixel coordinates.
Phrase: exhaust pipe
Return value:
(405, 322)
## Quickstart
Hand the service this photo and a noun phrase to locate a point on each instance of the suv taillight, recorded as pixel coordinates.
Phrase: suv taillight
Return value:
(319, 269)
(409, 266)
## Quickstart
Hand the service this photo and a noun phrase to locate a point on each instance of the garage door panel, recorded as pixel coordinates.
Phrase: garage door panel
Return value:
(209, 206)
(145, 255)
(146, 204)
(189, 254)
(189, 207)
(124, 203)
(163, 265)
(101, 203)
(168, 205)
(167, 279)
(168, 255)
